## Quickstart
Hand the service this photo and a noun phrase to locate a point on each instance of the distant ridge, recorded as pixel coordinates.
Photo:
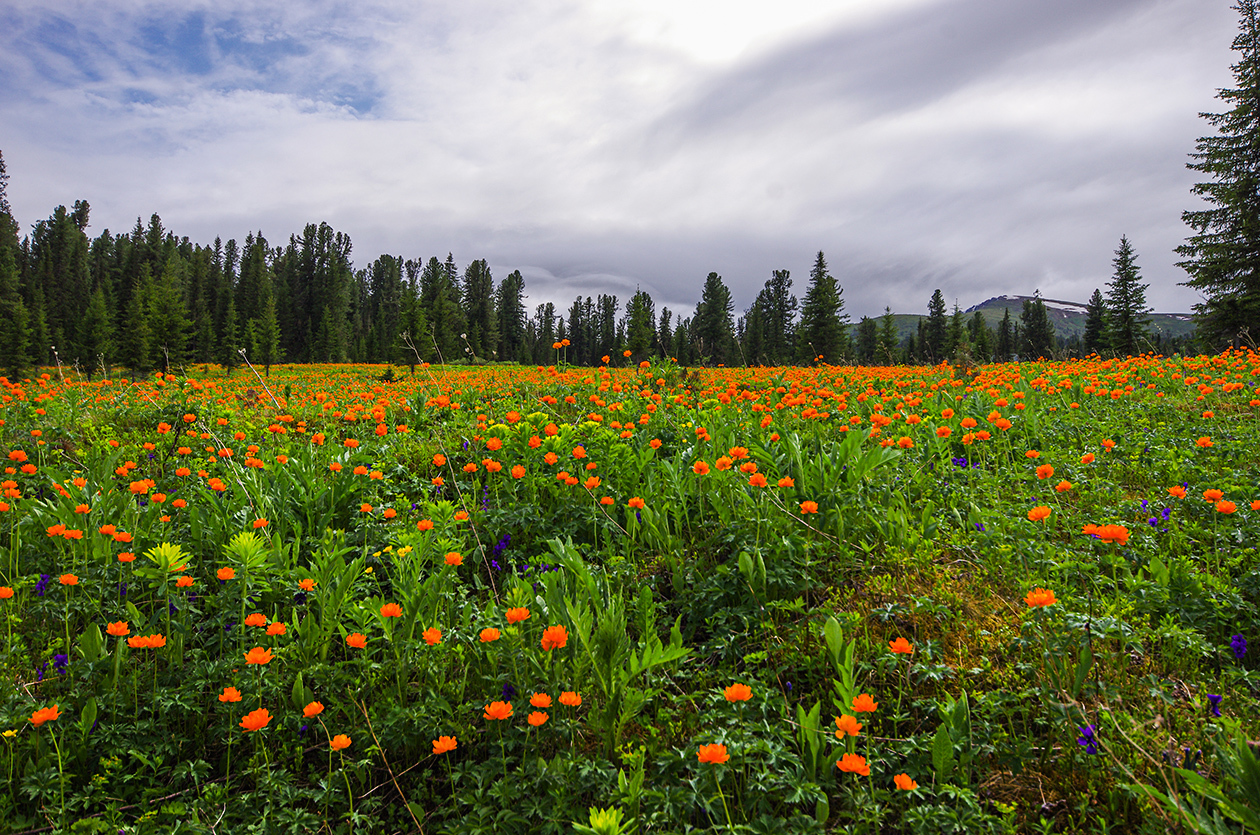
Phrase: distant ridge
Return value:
(1068, 317)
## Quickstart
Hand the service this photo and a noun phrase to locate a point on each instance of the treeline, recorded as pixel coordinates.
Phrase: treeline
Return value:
(148, 300)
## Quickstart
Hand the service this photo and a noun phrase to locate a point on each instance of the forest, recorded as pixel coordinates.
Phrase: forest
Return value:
(149, 299)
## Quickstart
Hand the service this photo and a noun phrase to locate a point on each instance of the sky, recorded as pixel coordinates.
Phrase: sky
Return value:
(982, 147)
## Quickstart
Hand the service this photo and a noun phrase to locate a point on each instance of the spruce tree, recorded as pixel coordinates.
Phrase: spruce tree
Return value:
(1222, 257)
(937, 328)
(1094, 339)
(823, 333)
(713, 328)
(1126, 304)
(1038, 339)
(887, 349)
(867, 341)
(1004, 347)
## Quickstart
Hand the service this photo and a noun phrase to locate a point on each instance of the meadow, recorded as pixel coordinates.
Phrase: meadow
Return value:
(635, 598)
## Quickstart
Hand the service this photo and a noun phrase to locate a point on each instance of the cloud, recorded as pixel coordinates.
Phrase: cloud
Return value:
(980, 146)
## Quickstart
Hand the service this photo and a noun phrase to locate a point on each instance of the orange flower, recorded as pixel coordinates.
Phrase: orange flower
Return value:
(1225, 506)
(118, 628)
(454, 558)
(313, 709)
(488, 635)
(307, 584)
(757, 480)
(853, 764)
(700, 468)
(7, 591)
(737, 693)
(715, 753)
(258, 655)
(863, 703)
(424, 525)
(1063, 486)
(365, 508)
(943, 431)
(260, 523)
(138, 642)
(461, 515)
(537, 717)
(1039, 513)
(256, 619)
(518, 471)
(69, 580)
(570, 699)
(901, 646)
(636, 503)
(184, 582)
(540, 700)
(1255, 505)
(391, 610)
(339, 742)
(846, 724)
(1203, 442)
(787, 481)
(498, 711)
(226, 573)
(255, 720)
(45, 714)
(443, 744)
(1213, 495)
(1045, 471)
(518, 614)
(905, 442)
(1177, 491)
(723, 463)
(276, 628)
(357, 640)
(809, 507)
(554, 637)
(230, 694)
(904, 782)
(433, 636)
(1040, 598)
(1032, 453)
(1087, 458)
(439, 460)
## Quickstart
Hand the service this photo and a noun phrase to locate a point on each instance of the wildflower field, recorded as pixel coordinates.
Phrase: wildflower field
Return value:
(1013, 598)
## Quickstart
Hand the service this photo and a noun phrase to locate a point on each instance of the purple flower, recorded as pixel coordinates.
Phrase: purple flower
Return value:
(1239, 645)
(980, 527)
(509, 692)
(42, 584)
(1087, 739)
(1215, 703)
(1153, 522)
(60, 662)
(1166, 512)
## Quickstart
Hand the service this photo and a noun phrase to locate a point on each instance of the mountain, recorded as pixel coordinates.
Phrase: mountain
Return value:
(1067, 317)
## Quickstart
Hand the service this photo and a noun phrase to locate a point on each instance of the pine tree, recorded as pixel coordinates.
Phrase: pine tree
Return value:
(1038, 339)
(824, 329)
(265, 335)
(1222, 257)
(867, 341)
(937, 328)
(1126, 304)
(713, 326)
(15, 330)
(640, 325)
(1004, 347)
(959, 342)
(980, 338)
(1094, 339)
(96, 334)
(887, 349)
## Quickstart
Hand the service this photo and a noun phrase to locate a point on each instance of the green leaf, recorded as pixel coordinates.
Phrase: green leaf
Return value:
(87, 717)
(942, 753)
